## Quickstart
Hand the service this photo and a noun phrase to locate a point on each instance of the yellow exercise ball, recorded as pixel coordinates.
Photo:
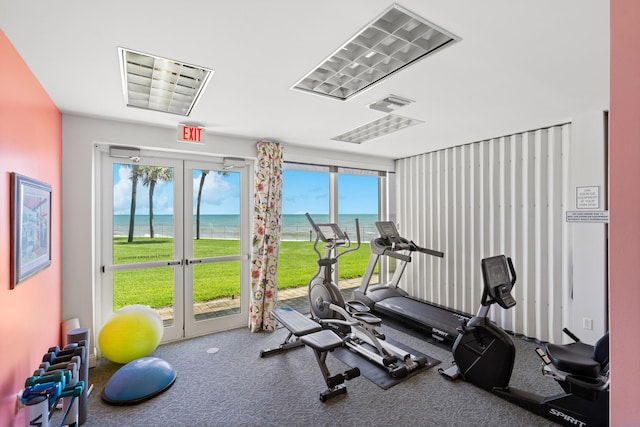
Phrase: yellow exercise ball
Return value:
(132, 332)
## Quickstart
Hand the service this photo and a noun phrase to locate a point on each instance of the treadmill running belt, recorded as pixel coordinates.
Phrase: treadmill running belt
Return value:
(422, 313)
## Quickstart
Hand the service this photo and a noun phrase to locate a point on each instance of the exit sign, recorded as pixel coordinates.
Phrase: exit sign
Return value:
(188, 133)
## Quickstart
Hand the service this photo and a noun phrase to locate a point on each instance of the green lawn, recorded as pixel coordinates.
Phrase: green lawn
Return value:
(154, 287)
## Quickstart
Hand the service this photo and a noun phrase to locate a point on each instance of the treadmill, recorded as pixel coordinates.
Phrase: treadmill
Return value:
(389, 300)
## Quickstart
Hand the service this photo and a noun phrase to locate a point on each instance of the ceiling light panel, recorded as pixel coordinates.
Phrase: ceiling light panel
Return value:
(154, 83)
(394, 40)
(381, 127)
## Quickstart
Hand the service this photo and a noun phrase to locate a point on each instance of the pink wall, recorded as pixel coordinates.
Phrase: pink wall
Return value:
(30, 144)
(624, 206)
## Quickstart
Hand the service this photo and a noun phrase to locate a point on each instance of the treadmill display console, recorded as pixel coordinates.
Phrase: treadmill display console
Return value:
(388, 231)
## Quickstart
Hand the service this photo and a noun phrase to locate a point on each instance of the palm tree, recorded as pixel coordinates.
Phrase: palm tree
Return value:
(203, 175)
(150, 176)
(202, 178)
(135, 173)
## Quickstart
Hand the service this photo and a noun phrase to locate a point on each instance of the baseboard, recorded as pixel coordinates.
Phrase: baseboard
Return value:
(93, 359)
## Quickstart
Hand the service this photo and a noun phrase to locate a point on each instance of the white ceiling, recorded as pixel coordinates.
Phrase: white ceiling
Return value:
(520, 65)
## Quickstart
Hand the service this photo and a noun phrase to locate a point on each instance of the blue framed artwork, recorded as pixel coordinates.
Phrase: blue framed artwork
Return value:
(31, 227)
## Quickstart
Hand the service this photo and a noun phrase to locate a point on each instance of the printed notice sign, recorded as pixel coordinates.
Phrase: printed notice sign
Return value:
(584, 216)
(588, 197)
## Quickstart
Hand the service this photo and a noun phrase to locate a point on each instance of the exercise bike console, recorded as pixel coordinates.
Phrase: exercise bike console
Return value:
(499, 278)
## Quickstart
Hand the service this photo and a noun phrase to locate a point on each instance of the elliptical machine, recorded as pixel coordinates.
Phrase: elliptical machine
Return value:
(484, 355)
(351, 320)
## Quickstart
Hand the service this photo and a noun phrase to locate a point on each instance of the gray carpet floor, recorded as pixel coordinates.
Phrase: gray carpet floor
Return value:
(235, 387)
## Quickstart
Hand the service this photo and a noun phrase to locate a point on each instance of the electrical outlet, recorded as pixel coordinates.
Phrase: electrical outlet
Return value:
(587, 323)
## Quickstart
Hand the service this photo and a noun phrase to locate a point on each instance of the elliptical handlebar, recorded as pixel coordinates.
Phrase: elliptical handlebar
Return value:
(357, 241)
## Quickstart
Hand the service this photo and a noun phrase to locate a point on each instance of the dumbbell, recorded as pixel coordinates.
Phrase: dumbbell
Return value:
(70, 405)
(59, 356)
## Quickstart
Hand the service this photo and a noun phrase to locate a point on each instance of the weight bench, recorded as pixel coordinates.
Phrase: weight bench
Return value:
(309, 333)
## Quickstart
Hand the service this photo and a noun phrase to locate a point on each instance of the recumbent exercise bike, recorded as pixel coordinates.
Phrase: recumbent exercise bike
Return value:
(484, 355)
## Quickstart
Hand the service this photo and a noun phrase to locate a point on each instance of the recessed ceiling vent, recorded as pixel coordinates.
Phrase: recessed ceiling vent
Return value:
(160, 84)
(390, 104)
(377, 128)
(393, 41)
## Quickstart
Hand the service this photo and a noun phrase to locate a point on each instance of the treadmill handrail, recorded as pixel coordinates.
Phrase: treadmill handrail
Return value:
(406, 245)
(429, 251)
(394, 254)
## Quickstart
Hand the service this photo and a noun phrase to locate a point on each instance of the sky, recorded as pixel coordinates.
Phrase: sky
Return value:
(220, 194)
(309, 192)
(302, 192)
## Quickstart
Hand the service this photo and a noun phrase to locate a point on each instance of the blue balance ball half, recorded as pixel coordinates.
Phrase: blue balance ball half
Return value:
(138, 381)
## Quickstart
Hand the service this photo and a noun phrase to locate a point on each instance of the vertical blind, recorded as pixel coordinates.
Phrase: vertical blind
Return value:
(500, 196)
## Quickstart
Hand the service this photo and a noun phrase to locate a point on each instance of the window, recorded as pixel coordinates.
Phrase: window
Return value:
(329, 194)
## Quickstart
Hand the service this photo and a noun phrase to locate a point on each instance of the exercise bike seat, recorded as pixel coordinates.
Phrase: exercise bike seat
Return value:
(580, 359)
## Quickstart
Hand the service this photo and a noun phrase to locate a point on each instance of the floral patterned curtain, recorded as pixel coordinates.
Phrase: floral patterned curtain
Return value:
(266, 236)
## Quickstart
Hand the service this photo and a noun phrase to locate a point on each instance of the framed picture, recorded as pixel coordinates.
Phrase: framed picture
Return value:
(30, 227)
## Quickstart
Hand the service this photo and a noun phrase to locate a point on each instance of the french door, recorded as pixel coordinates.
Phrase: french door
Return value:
(174, 236)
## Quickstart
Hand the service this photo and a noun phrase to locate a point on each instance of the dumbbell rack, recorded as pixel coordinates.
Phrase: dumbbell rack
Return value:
(62, 376)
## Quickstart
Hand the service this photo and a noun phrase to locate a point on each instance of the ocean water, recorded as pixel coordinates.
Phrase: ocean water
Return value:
(294, 227)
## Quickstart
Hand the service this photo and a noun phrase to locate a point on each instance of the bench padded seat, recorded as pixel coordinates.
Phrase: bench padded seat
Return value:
(297, 323)
(323, 341)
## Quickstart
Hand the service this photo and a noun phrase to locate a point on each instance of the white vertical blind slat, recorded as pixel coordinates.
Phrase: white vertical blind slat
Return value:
(503, 195)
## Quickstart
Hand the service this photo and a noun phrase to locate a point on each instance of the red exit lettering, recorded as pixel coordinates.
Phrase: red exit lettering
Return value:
(190, 134)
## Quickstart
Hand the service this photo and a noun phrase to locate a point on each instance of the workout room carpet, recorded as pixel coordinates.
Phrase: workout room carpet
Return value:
(374, 372)
(235, 387)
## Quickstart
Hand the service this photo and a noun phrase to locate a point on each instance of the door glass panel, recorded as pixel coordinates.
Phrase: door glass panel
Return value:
(149, 286)
(143, 213)
(216, 233)
(216, 290)
(143, 232)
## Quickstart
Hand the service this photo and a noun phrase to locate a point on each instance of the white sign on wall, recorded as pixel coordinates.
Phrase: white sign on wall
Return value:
(583, 216)
(588, 197)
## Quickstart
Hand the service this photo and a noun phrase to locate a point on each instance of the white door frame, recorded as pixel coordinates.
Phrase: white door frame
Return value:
(183, 226)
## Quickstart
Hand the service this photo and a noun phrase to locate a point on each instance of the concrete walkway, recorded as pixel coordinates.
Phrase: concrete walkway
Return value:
(294, 298)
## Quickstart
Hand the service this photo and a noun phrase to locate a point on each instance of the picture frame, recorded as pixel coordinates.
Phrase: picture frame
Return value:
(30, 227)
